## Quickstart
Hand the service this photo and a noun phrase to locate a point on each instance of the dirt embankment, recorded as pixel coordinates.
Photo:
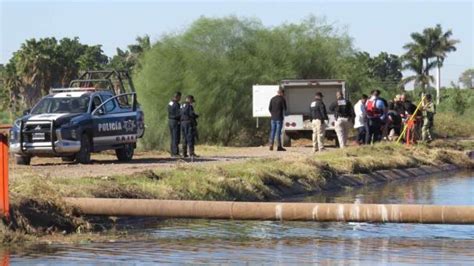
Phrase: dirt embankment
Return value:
(239, 174)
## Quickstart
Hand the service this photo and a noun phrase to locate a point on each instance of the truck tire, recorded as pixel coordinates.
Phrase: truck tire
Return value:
(125, 153)
(68, 158)
(84, 154)
(22, 160)
(286, 140)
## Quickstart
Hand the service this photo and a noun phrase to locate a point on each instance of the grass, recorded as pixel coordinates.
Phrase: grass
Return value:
(38, 209)
(246, 180)
(448, 124)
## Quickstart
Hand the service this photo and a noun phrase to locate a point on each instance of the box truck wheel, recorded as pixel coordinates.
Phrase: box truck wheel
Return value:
(286, 140)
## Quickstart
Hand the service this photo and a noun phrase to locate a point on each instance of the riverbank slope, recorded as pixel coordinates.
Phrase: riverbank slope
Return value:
(38, 209)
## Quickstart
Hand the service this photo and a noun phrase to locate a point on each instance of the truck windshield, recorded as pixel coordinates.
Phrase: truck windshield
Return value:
(62, 105)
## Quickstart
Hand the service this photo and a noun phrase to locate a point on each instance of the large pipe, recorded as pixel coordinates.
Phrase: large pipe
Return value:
(324, 212)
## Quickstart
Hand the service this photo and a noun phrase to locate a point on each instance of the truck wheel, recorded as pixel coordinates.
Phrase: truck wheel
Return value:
(84, 154)
(68, 158)
(22, 160)
(286, 140)
(125, 153)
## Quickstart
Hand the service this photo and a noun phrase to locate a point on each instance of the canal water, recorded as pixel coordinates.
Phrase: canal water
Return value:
(249, 242)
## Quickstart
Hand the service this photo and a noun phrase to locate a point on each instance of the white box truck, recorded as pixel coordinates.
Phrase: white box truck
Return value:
(299, 94)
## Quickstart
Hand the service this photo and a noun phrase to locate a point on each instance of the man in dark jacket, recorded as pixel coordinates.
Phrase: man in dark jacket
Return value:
(344, 113)
(174, 115)
(188, 126)
(318, 116)
(277, 110)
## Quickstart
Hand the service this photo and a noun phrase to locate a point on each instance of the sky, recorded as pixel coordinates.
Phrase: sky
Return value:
(375, 26)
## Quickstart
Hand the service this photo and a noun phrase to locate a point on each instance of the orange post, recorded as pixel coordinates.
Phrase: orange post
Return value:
(5, 259)
(4, 203)
(410, 133)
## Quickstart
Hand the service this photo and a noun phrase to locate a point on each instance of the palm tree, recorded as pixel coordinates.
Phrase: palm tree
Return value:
(431, 43)
(35, 64)
(421, 76)
(13, 86)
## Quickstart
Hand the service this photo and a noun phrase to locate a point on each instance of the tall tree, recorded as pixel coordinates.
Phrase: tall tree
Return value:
(35, 64)
(430, 43)
(421, 76)
(129, 59)
(41, 64)
(467, 78)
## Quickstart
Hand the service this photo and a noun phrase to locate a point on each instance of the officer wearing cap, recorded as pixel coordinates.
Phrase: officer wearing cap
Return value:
(174, 116)
(189, 126)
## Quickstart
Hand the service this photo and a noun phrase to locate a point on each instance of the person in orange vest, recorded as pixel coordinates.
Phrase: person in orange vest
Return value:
(375, 108)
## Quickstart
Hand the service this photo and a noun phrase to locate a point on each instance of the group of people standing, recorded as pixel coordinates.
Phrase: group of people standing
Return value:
(378, 119)
(182, 120)
(373, 117)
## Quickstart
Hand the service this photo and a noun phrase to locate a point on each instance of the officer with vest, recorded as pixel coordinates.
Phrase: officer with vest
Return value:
(428, 110)
(375, 108)
(344, 113)
(188, 126)
(174, 115)
(318, 116)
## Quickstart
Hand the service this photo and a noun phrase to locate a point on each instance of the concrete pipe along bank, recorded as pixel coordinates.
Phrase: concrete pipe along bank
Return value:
(280, 211)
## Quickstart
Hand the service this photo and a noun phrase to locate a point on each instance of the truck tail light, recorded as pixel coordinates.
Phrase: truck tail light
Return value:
(287, 124)
(293, 124)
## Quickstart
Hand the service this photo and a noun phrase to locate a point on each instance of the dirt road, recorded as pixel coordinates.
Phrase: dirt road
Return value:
(106, 164)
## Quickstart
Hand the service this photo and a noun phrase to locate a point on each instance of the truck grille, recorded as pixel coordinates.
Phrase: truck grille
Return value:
(37, 132)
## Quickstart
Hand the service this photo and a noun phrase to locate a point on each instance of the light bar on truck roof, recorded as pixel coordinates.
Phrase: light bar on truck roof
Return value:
(58, 90)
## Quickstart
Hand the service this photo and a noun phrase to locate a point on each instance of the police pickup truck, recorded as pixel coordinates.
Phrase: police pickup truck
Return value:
(73, 122)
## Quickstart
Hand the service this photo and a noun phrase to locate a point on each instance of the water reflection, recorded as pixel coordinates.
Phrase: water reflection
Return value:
(449, 190)
(296, 250)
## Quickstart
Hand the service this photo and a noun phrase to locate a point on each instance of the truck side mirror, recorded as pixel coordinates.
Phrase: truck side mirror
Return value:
(27, 111)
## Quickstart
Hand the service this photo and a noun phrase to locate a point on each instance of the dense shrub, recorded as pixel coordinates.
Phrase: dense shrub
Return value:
(218, 61)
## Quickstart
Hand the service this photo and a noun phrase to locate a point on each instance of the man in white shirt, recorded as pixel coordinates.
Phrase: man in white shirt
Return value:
(360, 121)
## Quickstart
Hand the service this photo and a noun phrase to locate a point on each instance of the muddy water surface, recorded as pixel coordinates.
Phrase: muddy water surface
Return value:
(203, 241)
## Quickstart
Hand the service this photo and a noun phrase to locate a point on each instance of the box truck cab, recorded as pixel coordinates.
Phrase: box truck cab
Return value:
(298, 94)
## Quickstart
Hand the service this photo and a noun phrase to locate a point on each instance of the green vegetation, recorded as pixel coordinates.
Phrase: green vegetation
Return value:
(246, 180)
(219, 59)
(467, 78)
(49, 63)
(253, 180)
(427, 51)
(455, 114)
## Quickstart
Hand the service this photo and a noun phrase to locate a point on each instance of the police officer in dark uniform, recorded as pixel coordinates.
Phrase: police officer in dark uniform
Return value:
(188, 126)
(344, 114)
(174, 117)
